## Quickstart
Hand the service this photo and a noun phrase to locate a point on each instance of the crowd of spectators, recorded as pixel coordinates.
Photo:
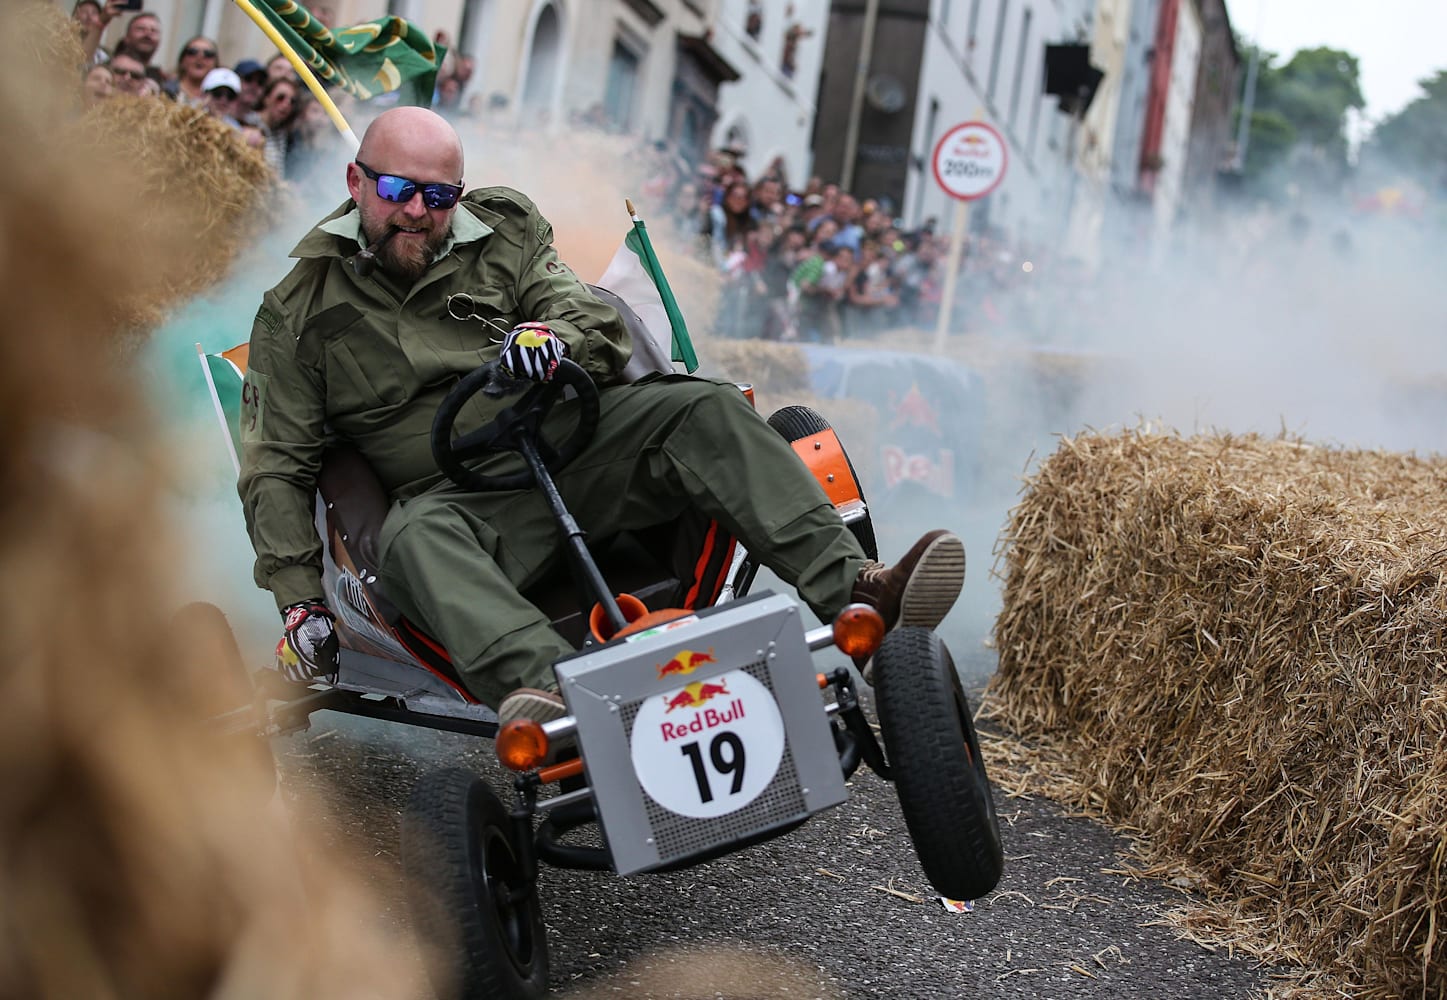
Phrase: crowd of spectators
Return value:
(267, 104)
(815, 264)
(820, 264)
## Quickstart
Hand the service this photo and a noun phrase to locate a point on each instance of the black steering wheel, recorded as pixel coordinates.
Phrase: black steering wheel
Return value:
(516, 428)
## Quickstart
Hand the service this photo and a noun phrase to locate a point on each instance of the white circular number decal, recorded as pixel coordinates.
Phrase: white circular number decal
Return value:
(709, 747)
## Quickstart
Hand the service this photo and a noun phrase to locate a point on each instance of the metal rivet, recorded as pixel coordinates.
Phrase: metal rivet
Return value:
(818, 445)
(830, 477)
(330, 506)
(345, 537)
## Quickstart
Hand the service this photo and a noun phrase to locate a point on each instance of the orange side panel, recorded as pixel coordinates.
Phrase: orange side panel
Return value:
(824, 456)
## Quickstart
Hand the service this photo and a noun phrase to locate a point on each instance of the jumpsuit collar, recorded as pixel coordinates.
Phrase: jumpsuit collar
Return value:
(346, 223)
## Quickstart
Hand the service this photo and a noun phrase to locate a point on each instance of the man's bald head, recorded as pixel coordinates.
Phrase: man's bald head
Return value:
(413, 142)
(419, 146)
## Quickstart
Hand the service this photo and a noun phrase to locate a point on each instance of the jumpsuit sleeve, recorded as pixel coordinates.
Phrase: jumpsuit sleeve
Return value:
(549, 292)
(283, 435)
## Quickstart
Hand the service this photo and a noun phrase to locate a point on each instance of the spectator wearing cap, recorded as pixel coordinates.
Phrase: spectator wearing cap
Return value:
(198, 57)
(253, 84)
(128, 73)
(141, 40)
(222, 87)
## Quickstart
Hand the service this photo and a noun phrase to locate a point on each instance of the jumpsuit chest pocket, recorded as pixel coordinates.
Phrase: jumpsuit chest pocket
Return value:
(365, 368)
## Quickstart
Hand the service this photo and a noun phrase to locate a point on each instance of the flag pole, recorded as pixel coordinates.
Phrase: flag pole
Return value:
(302, 70)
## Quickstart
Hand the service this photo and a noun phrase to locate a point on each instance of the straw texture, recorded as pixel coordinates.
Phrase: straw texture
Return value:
(1236, 646)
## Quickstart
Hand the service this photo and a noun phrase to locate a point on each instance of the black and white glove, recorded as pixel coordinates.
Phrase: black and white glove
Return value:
(308, 647)
(532, 351)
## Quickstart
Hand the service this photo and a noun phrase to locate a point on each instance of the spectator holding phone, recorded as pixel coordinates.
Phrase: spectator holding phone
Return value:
(91, 18)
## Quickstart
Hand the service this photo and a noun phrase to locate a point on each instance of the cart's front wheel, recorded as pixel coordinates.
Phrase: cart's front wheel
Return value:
(934, 758)
(469, 893)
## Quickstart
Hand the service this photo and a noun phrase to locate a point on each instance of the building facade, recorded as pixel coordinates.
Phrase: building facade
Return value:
(769, 112)
(931, 65)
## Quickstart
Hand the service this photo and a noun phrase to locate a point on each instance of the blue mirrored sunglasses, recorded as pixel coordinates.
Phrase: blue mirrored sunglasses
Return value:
(390, 187)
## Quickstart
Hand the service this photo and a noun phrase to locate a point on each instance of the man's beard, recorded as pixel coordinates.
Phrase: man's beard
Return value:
(406, 259)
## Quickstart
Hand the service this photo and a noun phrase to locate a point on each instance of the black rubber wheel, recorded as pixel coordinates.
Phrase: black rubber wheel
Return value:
(795, 423)
(468, 892)
(934, 758)
(230, 712)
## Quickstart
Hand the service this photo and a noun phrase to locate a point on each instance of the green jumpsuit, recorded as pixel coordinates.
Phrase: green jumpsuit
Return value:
(335, 356)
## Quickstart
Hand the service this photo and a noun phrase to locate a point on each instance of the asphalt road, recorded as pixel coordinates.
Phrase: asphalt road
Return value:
(838, 908)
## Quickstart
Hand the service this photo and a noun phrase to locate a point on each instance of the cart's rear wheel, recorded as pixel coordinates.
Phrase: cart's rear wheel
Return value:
(795, 423)
(469, 893)
(934, 758)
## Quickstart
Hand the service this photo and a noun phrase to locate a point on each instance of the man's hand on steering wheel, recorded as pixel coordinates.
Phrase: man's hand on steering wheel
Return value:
(532, 351)
(308, 647)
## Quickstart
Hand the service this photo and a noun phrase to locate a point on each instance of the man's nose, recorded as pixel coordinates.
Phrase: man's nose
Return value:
(415, 208)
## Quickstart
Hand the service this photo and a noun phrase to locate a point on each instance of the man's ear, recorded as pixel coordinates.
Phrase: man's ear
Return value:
(355, 180)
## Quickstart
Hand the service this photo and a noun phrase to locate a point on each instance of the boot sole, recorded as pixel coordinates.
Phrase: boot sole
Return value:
(935, 584)
(526, 705)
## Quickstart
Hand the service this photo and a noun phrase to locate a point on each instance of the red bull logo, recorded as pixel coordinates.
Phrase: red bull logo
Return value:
(914, 410)
(972, 145)
(685, 661)
(696, 696)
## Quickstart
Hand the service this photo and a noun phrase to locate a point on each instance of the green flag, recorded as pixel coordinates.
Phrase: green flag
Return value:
(365, 60)
(636, 276)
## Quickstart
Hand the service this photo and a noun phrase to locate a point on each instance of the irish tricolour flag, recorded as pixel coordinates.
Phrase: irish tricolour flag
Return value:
(224, 375)
(635, 276)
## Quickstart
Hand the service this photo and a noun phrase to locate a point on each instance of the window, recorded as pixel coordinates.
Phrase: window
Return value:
(622, 83)
(754, 20)
(995, 50)
(1020, 58)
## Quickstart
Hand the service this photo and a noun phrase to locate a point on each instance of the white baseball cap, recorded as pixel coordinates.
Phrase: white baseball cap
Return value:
(222, 77)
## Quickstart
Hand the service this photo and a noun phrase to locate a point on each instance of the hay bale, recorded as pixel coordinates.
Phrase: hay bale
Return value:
(208, 195)
(1238, 644)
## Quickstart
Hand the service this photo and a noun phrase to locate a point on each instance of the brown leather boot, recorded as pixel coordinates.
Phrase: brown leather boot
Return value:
(920, 589)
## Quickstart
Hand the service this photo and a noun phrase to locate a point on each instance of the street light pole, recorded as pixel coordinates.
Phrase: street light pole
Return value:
(856, 105)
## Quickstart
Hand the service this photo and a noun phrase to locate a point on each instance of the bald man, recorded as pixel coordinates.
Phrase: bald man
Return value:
(358, 344)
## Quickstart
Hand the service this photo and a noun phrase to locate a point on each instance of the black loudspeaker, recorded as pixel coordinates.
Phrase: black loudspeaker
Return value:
(1070, 77)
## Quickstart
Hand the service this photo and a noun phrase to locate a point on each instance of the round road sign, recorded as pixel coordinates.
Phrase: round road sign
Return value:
(970, 160)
